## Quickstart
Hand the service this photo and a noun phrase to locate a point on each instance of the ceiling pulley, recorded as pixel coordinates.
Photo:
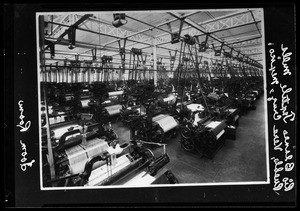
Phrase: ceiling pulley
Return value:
(203, 45)
(218, 52)
(72, 37)
(188, 39)
(51, 45)
(175, 36)
(119, 19)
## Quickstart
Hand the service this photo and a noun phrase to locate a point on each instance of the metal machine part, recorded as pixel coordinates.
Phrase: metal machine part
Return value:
(116, 168)
(166, 178)
(232, 116)
(158, 163)
(129, 114)
(205, 137)
(156, 129)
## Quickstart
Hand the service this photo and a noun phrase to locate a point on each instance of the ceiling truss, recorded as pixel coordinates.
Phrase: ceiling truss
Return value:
(248, 45)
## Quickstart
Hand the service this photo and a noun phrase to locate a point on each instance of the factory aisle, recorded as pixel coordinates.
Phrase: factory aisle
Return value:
(240, 160)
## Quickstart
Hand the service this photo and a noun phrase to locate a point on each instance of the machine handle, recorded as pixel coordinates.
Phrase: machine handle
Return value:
(62, 141)
(89, 167)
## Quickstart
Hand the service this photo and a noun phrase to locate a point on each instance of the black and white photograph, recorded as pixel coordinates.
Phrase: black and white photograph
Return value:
(138, 98)
(144, 105)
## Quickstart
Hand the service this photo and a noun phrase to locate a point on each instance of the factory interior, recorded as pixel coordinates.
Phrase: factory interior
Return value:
(151, 98)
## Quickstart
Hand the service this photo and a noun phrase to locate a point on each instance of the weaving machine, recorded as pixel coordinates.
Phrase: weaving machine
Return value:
(129, 114)
(203, 135)
(84, 99)
(155, 129)
(130, 164)
(74, 144)
(248, 102)
(113, 106)
(232, 116)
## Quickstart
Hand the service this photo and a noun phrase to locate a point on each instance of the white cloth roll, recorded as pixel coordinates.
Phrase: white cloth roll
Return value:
(158, 117)
(114, 109)
(85, 103)
(167, 122)
(213, 124)
(116, 93)
(79, 155)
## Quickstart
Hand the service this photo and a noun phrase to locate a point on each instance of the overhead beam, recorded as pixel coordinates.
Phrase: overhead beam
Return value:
(238, 34)
(255, 24)
(148, 24)
(241, 41)
(233, 27)
(126, 37)
(76, 24)
(99, 33)
(196, 26)
(210, 21)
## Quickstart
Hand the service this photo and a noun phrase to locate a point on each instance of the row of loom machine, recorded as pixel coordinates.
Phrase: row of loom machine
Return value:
(87, 151)
(76, 120)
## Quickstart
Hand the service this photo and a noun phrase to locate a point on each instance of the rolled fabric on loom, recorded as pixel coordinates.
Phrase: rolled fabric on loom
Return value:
(79, 155)
(218, 128)
(166, 122)
(113, 110)
(115, 93)
(85, 103)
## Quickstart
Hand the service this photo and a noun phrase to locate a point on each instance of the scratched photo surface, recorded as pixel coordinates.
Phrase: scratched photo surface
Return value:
(199, 74)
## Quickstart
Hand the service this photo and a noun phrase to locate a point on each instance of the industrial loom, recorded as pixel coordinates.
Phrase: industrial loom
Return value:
(204, 136)
(129, 164)
(112, 105)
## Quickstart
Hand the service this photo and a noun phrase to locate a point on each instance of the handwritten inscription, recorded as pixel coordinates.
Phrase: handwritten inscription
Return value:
(283, 160)
(277, 184)
(276, 141)
(286, 100)
(286, 182)
(285, 58)
(276, 115)
(288, 156)
(24, 159)
(272, 67)
(24, 127)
